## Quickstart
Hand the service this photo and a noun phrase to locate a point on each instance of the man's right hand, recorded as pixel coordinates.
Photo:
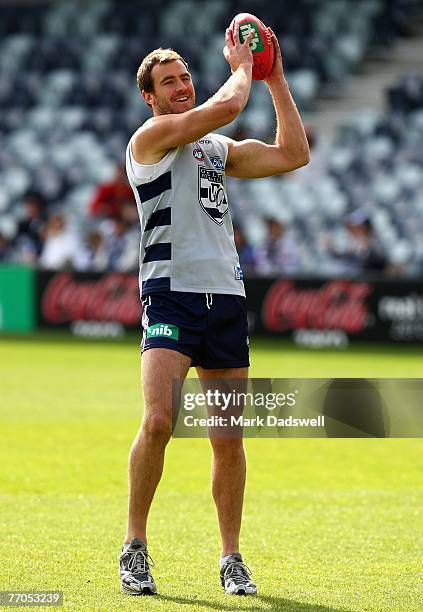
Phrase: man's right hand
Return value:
(236, 52)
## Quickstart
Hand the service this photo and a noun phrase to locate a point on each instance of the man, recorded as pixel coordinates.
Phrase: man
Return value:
(355, 246)
(28, 242)
(190, 279)
(279, 252)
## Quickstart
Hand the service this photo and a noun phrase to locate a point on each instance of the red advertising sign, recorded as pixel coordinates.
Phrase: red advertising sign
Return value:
(336, 304)
(70, 297)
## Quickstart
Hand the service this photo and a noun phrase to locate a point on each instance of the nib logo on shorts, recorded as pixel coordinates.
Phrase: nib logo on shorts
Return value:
(163, 330)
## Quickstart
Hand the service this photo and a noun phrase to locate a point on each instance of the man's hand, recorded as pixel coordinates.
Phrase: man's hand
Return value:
(255, 159)
(235, 52)
(277, 70)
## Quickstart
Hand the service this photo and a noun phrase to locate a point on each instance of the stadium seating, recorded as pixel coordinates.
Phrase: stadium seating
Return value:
(376, 166)
(68, 103)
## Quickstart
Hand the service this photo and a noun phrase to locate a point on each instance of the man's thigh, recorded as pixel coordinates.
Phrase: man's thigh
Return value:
(162, 371)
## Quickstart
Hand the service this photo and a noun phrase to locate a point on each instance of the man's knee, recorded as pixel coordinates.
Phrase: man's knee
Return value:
(157, 427)
(227, 447)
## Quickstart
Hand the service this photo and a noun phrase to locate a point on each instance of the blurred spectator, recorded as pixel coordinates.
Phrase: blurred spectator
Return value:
(246, 253)
(123, 246)
(60, 244)
(109, 198)
(5, 250)
(355, 247)
(92, 255)
(279, 253)
(29, 240)
(129, 213)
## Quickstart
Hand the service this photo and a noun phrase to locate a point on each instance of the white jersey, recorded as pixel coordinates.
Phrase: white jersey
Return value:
(187, 241)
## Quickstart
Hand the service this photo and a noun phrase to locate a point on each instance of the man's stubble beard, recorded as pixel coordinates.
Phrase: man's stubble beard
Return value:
(165, 108)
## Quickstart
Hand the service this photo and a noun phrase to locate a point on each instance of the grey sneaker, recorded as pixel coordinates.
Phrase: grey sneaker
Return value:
(134, 569)
(236, 577)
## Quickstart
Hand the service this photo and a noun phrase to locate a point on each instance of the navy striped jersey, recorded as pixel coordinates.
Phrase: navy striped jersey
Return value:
(187, 241)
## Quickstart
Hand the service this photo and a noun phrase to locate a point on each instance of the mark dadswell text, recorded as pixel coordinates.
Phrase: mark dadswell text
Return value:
(240, 421)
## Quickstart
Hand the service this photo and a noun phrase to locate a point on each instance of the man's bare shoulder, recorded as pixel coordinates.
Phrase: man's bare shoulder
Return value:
(143, 150)
(138, 134)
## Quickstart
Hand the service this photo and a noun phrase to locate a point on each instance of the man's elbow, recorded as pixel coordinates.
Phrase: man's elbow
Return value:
(234, 108)
(303, 160)
(225, 111)
(300, 159)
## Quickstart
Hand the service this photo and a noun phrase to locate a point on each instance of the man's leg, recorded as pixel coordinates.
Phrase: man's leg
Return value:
(159, 368)
(228, 483)
(228, 472)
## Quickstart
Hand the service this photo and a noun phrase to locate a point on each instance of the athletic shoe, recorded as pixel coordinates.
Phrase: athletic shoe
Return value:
(134, 569)
(235, 577)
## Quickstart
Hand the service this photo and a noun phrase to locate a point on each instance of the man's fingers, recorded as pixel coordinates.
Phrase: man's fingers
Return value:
(249, 38)
(275, 41)
(228, 38)
(234, 34)
(232, 37)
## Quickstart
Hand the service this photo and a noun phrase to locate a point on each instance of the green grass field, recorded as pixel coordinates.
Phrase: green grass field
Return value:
(328, 524)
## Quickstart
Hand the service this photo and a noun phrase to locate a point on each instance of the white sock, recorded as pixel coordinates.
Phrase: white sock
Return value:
(224, 559)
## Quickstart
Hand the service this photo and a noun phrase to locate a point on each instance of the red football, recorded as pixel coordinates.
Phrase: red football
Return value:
(261, 44)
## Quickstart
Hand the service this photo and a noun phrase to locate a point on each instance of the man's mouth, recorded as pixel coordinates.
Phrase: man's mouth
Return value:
(182, 99)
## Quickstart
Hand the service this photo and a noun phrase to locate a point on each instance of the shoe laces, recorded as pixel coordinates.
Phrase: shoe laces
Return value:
(139, 561)
(238, 572)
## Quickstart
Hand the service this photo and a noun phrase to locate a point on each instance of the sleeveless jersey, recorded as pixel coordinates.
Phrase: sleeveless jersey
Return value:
(187, 241)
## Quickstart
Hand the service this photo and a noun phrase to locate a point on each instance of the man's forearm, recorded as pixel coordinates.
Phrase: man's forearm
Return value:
(290, 133)
(236, 89)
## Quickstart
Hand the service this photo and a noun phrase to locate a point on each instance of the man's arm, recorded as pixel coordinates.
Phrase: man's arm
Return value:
(256, 159)
(164, 132)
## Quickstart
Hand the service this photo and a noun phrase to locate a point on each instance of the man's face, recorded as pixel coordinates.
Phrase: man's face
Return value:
(275, 229)
(173, 91)
(360, 232)
(33, 208)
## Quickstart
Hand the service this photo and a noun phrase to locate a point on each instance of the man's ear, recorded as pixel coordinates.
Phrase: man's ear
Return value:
(147, 95)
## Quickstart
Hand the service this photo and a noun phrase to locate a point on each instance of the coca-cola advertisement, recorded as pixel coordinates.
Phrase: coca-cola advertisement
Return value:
(311, 312)
(336, 304)
(89, 304)
(335, 312)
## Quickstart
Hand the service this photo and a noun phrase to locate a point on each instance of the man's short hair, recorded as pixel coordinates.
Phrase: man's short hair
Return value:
(158, 56)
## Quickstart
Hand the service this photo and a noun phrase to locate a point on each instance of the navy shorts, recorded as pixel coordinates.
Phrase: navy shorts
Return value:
(212, 329)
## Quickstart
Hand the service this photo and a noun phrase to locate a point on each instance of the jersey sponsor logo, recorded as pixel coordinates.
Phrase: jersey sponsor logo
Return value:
(163, 330)
(198, 154)
(239, 275)
(211, 194)
(217, 163)
(205, 143)
(256, 44)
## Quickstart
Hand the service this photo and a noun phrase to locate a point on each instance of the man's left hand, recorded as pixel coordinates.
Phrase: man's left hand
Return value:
(277, 70)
